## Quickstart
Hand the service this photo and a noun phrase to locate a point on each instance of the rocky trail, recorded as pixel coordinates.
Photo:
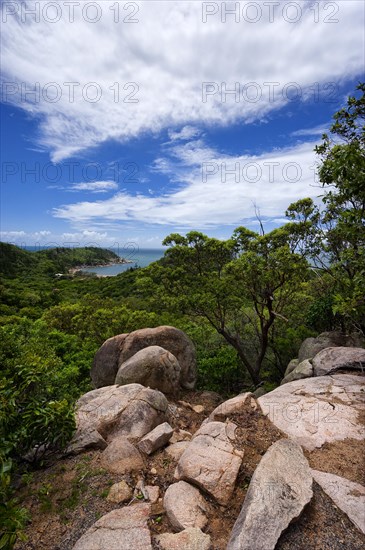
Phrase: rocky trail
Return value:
(190, 471)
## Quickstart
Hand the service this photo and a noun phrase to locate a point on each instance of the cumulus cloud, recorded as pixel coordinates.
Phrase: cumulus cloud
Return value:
(153, 74)
(211, 189)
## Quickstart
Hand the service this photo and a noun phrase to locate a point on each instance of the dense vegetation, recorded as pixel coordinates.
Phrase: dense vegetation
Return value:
(247, 303)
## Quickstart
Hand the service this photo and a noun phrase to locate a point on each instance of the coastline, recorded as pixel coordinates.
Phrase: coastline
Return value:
(78, 268)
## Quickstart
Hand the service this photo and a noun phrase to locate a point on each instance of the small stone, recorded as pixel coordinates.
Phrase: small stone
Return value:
(156, 439)
(190, 539)
(153, 471)
(119, 492)
(153, 493)
(198, 409)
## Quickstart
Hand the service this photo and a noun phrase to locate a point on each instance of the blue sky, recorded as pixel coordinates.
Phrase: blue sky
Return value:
(126, 121)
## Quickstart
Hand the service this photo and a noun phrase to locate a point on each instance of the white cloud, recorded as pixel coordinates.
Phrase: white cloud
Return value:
(168, 54)
(316, 131)
(213, 190)
(186, 133)
(95, 186)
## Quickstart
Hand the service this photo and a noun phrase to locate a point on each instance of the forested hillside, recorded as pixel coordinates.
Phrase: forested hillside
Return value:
(247, 303)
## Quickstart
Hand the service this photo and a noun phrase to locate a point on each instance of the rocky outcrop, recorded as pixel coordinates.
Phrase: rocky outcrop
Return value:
(311, 346)
(152, 367)
(156, 439)
(212, 461)
(278, 492)
(185, 506)
(131, 411)
(118, 530)
(105, 365)
(318, 410)
(121, 457)
(347, 495)
(302, 370)
(119, 349)
(190, 539)
(331, 360)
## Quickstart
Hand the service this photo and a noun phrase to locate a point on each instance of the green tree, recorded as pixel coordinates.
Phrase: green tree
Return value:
(333, 237)
(242, 286)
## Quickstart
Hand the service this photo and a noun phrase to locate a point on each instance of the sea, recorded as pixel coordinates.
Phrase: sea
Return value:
(136, 257)
(141, 257)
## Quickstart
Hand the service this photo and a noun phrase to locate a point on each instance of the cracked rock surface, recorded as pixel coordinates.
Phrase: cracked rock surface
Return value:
(120, 529)
(278, 492)
(212, 461)
(318, 410)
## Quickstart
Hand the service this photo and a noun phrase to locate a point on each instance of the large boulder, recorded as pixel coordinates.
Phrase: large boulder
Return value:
(116, 351)
(330, 360)
(280, 488)
(212, 460)
(347, 495)
(185, 506)
(105, 365)
(154, 367)
(131, 411)
(303, 370)
(318, 410)
(311, 346)
(118, 530)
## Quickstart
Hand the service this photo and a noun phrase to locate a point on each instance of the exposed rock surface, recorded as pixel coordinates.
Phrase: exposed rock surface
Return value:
(121, 457)
(120, 529)
(152, 367)
(105, 365)
(279, 490)
(211, 461)
(84, 440)
(302, 370)
(119, 492)
(318, 410)
(234, 405)
(291, 366)
(190, 539)
(156, 438)
(347, 495)
(130, 410)
(330, 360)
(169, 338)
(311, 346)
(185, 506)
